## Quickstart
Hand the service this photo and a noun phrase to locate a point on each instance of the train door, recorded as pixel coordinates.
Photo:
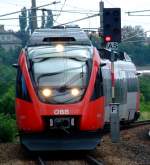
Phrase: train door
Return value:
(121, 92)
(132, 94)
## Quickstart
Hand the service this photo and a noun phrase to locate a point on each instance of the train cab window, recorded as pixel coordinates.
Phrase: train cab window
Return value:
(64, 72)
(21, 88)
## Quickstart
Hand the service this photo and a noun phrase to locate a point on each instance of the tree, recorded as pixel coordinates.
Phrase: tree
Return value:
(49, 22)
(23, 26)
(134, 35)
(30, 23)
(23, 20)
(96, 40)
(133, 43)
(43, 19)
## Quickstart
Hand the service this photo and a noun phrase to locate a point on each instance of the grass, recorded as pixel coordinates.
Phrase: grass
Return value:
(145, 116)
(145, 111)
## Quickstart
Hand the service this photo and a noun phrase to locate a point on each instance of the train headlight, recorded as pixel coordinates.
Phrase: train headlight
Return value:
(75, 92)
(59, 48)
(46, 92)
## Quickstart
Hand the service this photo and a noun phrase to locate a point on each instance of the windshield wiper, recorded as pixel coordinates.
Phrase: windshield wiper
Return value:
(60, 72)
(77, 58)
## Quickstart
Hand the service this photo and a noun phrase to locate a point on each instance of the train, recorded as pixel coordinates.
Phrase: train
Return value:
(63, 91)
(58, 104)
(127, 91)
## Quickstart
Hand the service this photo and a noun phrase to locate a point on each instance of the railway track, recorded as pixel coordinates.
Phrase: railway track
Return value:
(93, 161)
(88, 159)
(135, 124)
(139, 123)
(41, 161)
(106, 130)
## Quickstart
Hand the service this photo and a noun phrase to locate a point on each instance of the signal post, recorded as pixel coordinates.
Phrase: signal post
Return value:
(112, 36)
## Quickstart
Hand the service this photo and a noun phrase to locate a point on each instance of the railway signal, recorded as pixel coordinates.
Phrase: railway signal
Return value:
(112, 24)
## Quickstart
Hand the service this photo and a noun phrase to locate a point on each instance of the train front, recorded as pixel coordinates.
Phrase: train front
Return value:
(59, 100)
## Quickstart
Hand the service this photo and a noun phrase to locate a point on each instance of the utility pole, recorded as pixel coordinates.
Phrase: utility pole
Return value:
(101, 7)
(34, 15)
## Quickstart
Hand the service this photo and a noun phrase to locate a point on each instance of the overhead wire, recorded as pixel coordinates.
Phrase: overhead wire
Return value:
(77, 20)
(139, 15)
(16, 12)
(60, 11)
(68, 11)
(138, 11)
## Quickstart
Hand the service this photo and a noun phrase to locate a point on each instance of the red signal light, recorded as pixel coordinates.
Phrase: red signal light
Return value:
(107, 38)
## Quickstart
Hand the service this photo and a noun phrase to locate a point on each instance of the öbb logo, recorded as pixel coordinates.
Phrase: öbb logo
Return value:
(61, 112)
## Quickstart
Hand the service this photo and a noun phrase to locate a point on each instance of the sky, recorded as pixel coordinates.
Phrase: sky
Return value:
(86, 6)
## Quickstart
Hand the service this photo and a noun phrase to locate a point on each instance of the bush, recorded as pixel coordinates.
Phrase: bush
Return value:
(8, 130)
(145, 87)
(7, 102)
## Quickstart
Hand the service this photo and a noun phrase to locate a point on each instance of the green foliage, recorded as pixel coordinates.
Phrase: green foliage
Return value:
(133, 43)
(9, 57)
(50, 19)
(23, 20)
(133, 35)
(145, 97)
(145, 88)
(23, 34)
(7, 102)
(8, 129)
(96, 40)
(145, 110)
(7, 80)
(30, 22)
(43, 19)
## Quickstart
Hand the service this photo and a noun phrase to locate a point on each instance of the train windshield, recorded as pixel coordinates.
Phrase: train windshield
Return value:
(61, 76)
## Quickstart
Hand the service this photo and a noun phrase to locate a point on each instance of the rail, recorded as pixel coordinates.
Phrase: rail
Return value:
(93, 161)
(40, 161)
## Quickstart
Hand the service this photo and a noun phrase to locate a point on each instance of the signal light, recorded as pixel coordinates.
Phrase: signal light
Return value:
(107, 38)
(112, 24)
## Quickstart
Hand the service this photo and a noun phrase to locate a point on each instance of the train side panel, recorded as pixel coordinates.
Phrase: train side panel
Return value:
(126, 89)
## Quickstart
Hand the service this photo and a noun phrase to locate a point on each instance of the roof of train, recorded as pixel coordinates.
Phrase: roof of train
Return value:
(64, 35)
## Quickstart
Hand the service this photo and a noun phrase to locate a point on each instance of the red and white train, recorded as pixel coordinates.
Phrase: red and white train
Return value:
(63, 91)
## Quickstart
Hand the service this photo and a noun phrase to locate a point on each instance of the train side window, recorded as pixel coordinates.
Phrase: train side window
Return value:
(132, 82)
(21, 88)
(106, 85)
(98, 87)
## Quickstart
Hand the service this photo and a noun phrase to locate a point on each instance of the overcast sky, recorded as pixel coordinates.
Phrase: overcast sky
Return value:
(7, 6)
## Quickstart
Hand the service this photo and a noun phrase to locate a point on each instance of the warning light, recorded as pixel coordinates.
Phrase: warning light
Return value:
(107, 38)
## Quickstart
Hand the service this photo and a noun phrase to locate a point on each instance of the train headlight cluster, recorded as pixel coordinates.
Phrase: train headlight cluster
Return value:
(47, 92)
